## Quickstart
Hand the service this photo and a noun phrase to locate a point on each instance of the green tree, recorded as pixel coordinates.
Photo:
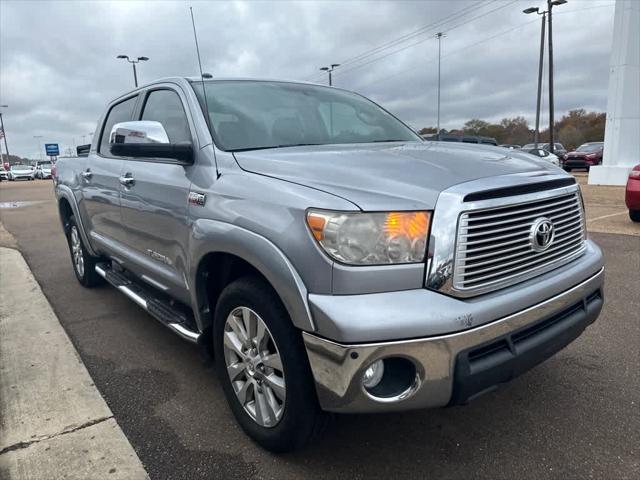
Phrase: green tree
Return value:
(475, 126)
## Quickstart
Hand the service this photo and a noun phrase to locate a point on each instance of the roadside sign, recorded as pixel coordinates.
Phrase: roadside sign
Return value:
(52, 149)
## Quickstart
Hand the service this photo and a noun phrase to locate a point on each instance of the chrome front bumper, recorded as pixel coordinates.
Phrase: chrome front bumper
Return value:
(338, 368)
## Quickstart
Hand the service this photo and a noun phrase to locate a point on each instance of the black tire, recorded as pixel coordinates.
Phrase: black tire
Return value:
(302, 419)
(87, 275)
(634, 215)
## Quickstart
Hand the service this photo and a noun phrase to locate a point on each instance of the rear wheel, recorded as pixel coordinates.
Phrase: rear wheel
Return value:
(263, 367)
(84, 264)
(634, 215)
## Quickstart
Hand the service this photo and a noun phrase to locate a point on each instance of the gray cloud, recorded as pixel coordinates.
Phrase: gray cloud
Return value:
(58, 68)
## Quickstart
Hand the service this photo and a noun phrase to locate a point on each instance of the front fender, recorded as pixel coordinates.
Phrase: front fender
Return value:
(211, 236)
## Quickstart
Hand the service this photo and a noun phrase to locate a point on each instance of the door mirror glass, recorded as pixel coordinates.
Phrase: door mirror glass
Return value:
(147, 139)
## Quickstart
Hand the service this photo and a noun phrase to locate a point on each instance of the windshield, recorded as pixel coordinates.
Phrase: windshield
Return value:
(248, 115)
(20, 167)
(593, 147)
(45, 164)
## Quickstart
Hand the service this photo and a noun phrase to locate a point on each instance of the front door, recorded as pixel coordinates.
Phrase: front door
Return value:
(154, 204)
(100, 179)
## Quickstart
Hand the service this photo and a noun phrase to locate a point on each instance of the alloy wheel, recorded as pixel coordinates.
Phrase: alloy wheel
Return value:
(254, 366)
(76, 250)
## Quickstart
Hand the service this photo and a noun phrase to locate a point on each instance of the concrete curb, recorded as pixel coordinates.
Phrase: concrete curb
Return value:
(53, 421)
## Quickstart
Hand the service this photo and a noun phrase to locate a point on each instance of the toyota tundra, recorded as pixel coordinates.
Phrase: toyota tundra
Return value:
(330, 259)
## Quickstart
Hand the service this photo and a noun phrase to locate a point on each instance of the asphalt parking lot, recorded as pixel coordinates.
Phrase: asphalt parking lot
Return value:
(575, 416)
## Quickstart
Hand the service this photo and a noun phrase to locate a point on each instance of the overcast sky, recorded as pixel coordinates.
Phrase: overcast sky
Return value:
(58, 67)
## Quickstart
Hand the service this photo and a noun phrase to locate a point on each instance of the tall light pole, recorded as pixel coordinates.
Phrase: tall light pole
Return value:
(4, 132)
(38, 137)
(133, 63)
(329, 70)
(550, 5)
(536, 132)
(439, 36)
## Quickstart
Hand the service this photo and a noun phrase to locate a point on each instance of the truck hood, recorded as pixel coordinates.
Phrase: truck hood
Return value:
(389, 176)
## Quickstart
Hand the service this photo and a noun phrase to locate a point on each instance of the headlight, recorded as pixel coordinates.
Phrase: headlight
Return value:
(371, 238)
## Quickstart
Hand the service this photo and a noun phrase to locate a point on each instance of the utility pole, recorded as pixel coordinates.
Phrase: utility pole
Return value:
(439, 36)
(4, 133)
(329, 70)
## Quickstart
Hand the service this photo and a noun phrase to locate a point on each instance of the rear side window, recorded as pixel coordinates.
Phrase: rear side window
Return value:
(165, 106)
(121, 112)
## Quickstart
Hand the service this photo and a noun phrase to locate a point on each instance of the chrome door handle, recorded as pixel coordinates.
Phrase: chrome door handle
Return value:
(87, 174)
(127, 181)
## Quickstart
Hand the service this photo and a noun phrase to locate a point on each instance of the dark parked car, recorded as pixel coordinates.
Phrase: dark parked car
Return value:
(632, 195)
(585, 156)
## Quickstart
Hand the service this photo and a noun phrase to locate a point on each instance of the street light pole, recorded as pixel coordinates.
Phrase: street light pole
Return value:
(329, 70)
(536, 135)
(536, 132)
(4, 132)
(550, 5)
(439, 36)
(38, 137)
(133, 63)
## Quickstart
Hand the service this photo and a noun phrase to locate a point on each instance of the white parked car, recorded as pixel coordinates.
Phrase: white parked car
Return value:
(542, 153)
(43, 169)
(18, 171)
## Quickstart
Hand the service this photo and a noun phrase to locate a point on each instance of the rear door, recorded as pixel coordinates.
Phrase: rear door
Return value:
(101, 186)
(155, 206)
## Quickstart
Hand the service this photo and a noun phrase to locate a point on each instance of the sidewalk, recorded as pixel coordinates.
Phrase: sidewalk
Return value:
(53, 421)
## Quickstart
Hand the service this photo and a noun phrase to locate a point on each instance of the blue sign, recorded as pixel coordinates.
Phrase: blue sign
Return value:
(52, 149)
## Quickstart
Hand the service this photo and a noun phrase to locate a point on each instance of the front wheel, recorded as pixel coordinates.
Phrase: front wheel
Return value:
(263, 367)
(634, 215)
(84, 264)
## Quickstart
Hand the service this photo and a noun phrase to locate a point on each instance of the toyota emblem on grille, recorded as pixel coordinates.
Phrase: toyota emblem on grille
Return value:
(542, 233)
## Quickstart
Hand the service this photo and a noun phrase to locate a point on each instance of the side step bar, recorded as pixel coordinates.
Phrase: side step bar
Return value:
(169, 316)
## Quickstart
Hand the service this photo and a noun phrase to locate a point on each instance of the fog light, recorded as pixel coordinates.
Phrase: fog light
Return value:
(373, 374)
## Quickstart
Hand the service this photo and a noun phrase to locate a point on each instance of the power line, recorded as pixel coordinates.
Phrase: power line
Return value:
(484, 40)
(422, 30)
(344, 71)
(415, 33)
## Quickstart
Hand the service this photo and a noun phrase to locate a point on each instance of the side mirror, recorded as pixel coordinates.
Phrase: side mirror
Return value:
(147, 139)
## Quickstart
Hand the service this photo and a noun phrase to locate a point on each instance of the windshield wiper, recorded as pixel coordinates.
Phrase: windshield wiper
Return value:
(276, 146)
(382, 141)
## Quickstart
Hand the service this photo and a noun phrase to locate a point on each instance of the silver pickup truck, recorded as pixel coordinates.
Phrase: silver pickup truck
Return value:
(330, 259)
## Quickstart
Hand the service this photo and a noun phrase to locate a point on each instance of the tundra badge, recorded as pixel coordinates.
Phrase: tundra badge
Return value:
(196, 198)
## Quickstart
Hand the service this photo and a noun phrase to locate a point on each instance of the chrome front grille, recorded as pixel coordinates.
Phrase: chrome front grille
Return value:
(495, 246)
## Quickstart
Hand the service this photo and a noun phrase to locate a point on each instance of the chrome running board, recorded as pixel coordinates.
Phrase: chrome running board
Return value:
(177, 320)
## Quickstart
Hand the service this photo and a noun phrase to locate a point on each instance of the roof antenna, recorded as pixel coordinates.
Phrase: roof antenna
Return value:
(204, 90)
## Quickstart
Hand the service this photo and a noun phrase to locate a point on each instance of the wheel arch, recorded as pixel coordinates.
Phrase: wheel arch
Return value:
(68, 206)
(223, 252)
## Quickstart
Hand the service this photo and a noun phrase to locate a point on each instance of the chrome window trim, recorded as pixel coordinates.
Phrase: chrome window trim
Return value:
(443, 241)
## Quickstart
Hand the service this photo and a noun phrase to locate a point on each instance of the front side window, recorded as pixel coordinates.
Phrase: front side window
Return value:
(120, 112)
(248, 115)
(165, 106)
